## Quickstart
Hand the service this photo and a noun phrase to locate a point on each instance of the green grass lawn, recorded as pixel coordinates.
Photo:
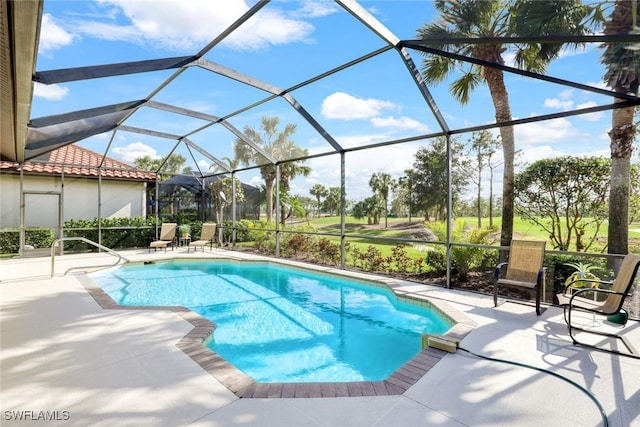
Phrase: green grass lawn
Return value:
(522, 229)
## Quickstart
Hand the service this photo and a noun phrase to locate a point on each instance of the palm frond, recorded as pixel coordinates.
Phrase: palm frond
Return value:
(437, 31)
(462, 87)
(549, 18)
(436, 68)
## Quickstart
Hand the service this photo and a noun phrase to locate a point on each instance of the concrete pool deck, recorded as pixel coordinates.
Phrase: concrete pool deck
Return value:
(63, 356)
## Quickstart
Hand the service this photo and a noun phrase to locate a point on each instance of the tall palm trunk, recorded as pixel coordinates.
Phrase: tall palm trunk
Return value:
(268, 191)
(622, 135)
(622, 76)
(498, 90)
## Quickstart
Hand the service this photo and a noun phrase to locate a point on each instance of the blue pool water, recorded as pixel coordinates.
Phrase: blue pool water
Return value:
(282, 324)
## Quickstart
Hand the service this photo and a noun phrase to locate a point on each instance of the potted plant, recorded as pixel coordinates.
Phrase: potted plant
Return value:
(583, 277)
(185, 230)
(583, 271)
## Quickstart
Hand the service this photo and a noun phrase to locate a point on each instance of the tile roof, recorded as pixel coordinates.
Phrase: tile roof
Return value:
(79, 161)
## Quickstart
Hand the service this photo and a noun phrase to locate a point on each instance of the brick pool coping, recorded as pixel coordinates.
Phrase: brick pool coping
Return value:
(194, 345)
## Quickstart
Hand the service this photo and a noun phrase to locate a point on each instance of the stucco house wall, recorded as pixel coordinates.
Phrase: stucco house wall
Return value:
(74, 182)
(78, 198)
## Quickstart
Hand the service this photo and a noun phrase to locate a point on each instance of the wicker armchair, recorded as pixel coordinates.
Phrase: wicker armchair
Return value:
(573, 299)
(524, 269)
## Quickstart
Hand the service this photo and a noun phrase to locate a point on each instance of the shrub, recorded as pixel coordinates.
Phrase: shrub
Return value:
(39, 237)
(243, 230)
(357, 257)
(436, 261)
(401, 260)
(117, 233)
(465, 258)
(297, 243)
(9, 241)
(36, 237)
(327, 251)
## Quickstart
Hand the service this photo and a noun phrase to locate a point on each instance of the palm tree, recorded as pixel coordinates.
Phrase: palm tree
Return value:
(380, 183)
(623, 70)
(319, 191)
(172, 166)
(482, 148)
(290, 170)
(491, 19)
(278, 145)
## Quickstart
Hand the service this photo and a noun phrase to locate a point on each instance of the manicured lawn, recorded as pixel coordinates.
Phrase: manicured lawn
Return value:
(522, 229)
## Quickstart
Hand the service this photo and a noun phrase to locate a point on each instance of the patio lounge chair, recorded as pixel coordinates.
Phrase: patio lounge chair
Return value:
(524, 269)
(574, 299)
(207, 236)
(167, 237)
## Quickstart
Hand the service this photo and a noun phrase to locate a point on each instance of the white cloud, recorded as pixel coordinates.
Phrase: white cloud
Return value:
(52, 36)
(600, 84)
(316, 9)
(360, 140)
(566, 94)
(532, 154)
(204, 165)
(549, 131)
(399, 123)
(565, 103)
(340, 105)
(163, 25)
(593, 117)
(559, 104)
(52, 92)
(106, 31)
(562, 102)
(130, 152)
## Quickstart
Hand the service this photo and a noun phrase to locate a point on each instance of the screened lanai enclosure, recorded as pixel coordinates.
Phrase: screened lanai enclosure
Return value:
(387, 136)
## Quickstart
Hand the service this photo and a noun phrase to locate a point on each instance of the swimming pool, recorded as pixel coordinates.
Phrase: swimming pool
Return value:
(284, 324)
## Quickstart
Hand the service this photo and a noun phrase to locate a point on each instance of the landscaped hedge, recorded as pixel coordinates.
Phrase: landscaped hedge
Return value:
(117, 233)
(36, 237)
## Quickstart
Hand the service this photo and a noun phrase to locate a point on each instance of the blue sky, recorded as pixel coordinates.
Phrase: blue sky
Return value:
(286, 43)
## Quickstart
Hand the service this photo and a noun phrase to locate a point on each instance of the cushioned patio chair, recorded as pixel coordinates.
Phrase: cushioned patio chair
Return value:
(575, 299)
(167, 237)
(524, 269)
(207, 237)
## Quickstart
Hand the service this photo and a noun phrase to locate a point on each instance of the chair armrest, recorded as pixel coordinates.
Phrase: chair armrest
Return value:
(496, 274)
(604, 291)
(541, 274)
(584, 290)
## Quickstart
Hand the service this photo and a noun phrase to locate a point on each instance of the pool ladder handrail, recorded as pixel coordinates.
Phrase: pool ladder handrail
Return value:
(90, 242)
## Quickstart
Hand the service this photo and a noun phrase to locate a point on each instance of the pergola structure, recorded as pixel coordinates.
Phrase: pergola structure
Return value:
(24, 138)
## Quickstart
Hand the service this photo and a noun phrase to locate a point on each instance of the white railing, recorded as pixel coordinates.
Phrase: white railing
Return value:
(90, 242)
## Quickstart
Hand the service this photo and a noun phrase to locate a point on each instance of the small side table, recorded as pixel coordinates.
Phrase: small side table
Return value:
(184, 241)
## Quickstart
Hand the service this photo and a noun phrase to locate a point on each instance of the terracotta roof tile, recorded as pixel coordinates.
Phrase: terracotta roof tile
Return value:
(79, 161)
